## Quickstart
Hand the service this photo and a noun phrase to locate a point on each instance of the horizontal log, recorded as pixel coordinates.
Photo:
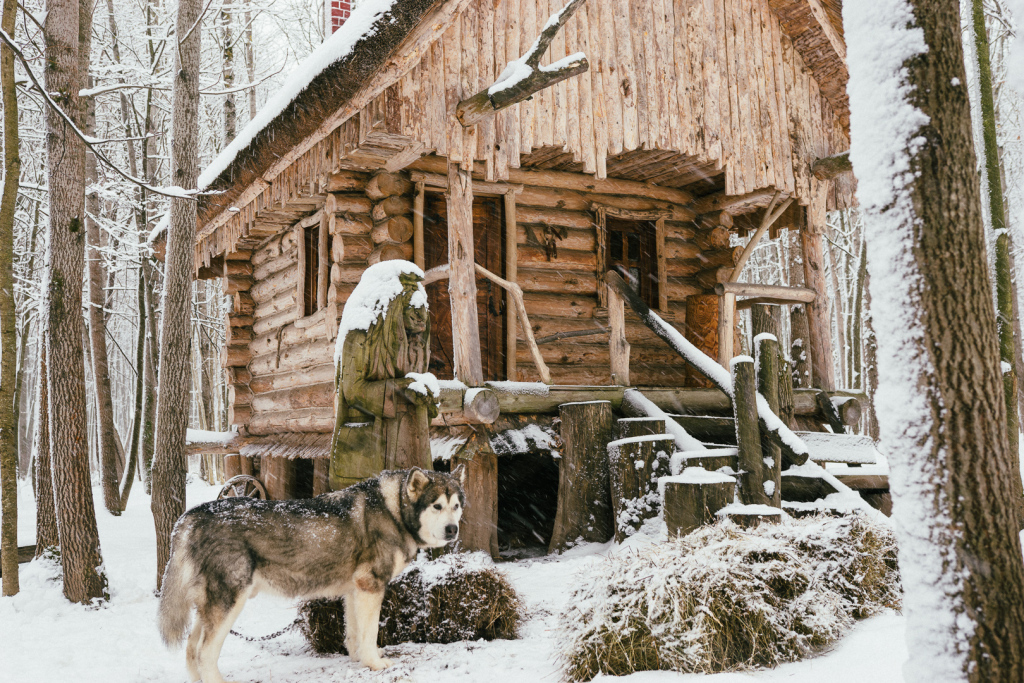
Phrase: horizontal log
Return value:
(685, 268)
(579, 182)
(390, 251)
(680, 288)
(276, 284)
(237, 335)
(395, 229)
(347, 181)
(294, 357)
(285, 259)
(233, 268)
(802, 294)
(236, 283)
(232, 320)
(391, 206)
(239, 395)
(555, 217)
(536, 280)
(242, 304)
(311, 396)
(680, 230)
(239, 255)
(234, 356)
(305, 420)
(712, 240)
(275, 246)
(282, 302)
(239, 415)
(560, 305)
(572, 200)
(386, 185)
(348, 202)
(712, 219)
(273, 322)
(586, 351)
(316, 374)
(571, 259)
(722, 257)
(714, 276)
(580, 239)
(347, 273)
(678, 249)
(238, 375)
(339, 293)
(349, 223)
(735, 204)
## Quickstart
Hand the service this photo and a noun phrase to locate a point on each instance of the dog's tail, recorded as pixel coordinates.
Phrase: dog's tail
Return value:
(175, 599)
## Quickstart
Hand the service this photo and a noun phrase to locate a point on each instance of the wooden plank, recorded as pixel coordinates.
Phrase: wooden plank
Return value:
(487, 76)
(453, 90)
(642, 20)
(470, 79)
(602, 104)
(781, 93)
(462, 281)
(627, 74)
(668, 100)
(569, 119)
(512, 275)
(512, 30)
(766, 98)
(694, 74)
(587, 123)
(324, 265)
(560, 92)
(528, 108)
(619, 347)
(681, 59)
(725, 129)
(710, 79)
(734, 44)
(613, 76)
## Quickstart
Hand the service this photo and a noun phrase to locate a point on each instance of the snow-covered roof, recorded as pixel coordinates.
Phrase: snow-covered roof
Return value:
(324, 82)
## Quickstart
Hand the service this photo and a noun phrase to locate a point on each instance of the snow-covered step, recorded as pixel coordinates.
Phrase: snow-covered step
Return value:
(749, 516)
(711, 459)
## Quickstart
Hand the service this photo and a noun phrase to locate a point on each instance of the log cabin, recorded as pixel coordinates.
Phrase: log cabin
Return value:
(664, 129)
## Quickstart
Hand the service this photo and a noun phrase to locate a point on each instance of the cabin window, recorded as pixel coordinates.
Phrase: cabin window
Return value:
(632, 250)
(311, 269)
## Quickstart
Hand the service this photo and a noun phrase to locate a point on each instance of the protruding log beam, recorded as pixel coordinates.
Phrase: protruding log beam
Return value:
(387, 185)
(394, 229)
(828, 168)
(524, 76)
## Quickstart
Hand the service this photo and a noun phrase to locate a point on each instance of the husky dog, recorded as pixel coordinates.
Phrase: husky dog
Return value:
(349, 544)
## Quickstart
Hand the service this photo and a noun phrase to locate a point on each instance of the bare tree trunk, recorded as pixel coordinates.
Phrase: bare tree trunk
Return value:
(941, 409)
(140, 352)
(1004, 274)
(250, 62)
(169, 463)
(837, 301)
(46, 515)
(8, 330)
(110, 476)
(21, 389)
(228, 58)
(68, 31)
(149, 372)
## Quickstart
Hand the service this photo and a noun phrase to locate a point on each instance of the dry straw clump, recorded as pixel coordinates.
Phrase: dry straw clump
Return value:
(724, 598)
(456, 597)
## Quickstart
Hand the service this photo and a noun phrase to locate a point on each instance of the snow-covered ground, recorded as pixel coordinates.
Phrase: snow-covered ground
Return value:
(43, 638)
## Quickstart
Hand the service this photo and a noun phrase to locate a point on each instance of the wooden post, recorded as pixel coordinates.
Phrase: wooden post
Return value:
(418, 203)
(726, 322)
(617, 339)
(748, 434)
(462, 278)
(321, 481)
(765, 321)
(800, 351)
(479, 527)
(690, 505)
(584, 494)
(512, 275)
(636, 463)
(819, 325)
(787, 410)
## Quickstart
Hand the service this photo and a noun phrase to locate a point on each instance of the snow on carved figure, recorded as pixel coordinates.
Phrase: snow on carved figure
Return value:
(384, 397)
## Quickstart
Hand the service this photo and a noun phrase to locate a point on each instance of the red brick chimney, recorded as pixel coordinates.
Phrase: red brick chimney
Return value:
(338, 12)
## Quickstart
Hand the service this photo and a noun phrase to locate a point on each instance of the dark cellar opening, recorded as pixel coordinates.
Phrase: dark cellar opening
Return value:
(527, 503)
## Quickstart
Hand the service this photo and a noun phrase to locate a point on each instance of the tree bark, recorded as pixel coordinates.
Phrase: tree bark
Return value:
(1004, 268)
(169, 463)
(149, 370)
(46, 514)
(942, 410)
(68, 33)
(228, 71)
(107, 441)
(8, 347)
(819, 343)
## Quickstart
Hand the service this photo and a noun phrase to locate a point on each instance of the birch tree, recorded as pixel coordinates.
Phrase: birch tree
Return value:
(940, 395)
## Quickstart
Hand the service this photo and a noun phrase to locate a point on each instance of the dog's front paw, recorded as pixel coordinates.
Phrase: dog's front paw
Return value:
(376, 663)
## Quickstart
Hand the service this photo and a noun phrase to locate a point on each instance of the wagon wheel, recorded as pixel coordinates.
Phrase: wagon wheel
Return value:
(243, 485)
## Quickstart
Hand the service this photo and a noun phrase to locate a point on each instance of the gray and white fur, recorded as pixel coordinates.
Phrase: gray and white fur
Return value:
(348, 544)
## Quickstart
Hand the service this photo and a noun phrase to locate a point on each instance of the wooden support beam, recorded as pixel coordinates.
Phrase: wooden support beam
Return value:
(818, 323)
(765, 322)
(524, 76)
(766, 222)
(617, 339)
(462, 278)
(418, 202)
(801, 294)
(726, 322)
(512, 275)
(748, 435)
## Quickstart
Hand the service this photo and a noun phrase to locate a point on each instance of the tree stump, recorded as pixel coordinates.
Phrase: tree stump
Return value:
(766, 328)
(748, 433)
(750, 516)
(584, 494)
(479, 526)
(636, 463)
(640, 426)
(692, 498)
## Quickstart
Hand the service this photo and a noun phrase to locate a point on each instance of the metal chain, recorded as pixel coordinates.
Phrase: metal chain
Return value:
(289, 627)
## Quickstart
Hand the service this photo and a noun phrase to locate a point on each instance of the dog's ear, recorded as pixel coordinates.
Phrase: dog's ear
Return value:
(460, 474)
(416, 483)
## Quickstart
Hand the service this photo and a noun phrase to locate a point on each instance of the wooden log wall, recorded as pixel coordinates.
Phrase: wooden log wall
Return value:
(717, 82)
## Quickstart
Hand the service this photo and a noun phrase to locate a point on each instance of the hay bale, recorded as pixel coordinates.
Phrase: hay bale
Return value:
(725, 598)
(456, 597)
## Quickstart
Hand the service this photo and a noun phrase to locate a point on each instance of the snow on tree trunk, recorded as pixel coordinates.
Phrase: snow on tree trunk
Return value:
(940, 404)
(169, 463)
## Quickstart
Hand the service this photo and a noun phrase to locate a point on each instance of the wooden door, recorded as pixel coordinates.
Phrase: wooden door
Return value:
(488, 247)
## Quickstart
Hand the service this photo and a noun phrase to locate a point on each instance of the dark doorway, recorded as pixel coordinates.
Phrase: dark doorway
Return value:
(488, 247)
(527, 503)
